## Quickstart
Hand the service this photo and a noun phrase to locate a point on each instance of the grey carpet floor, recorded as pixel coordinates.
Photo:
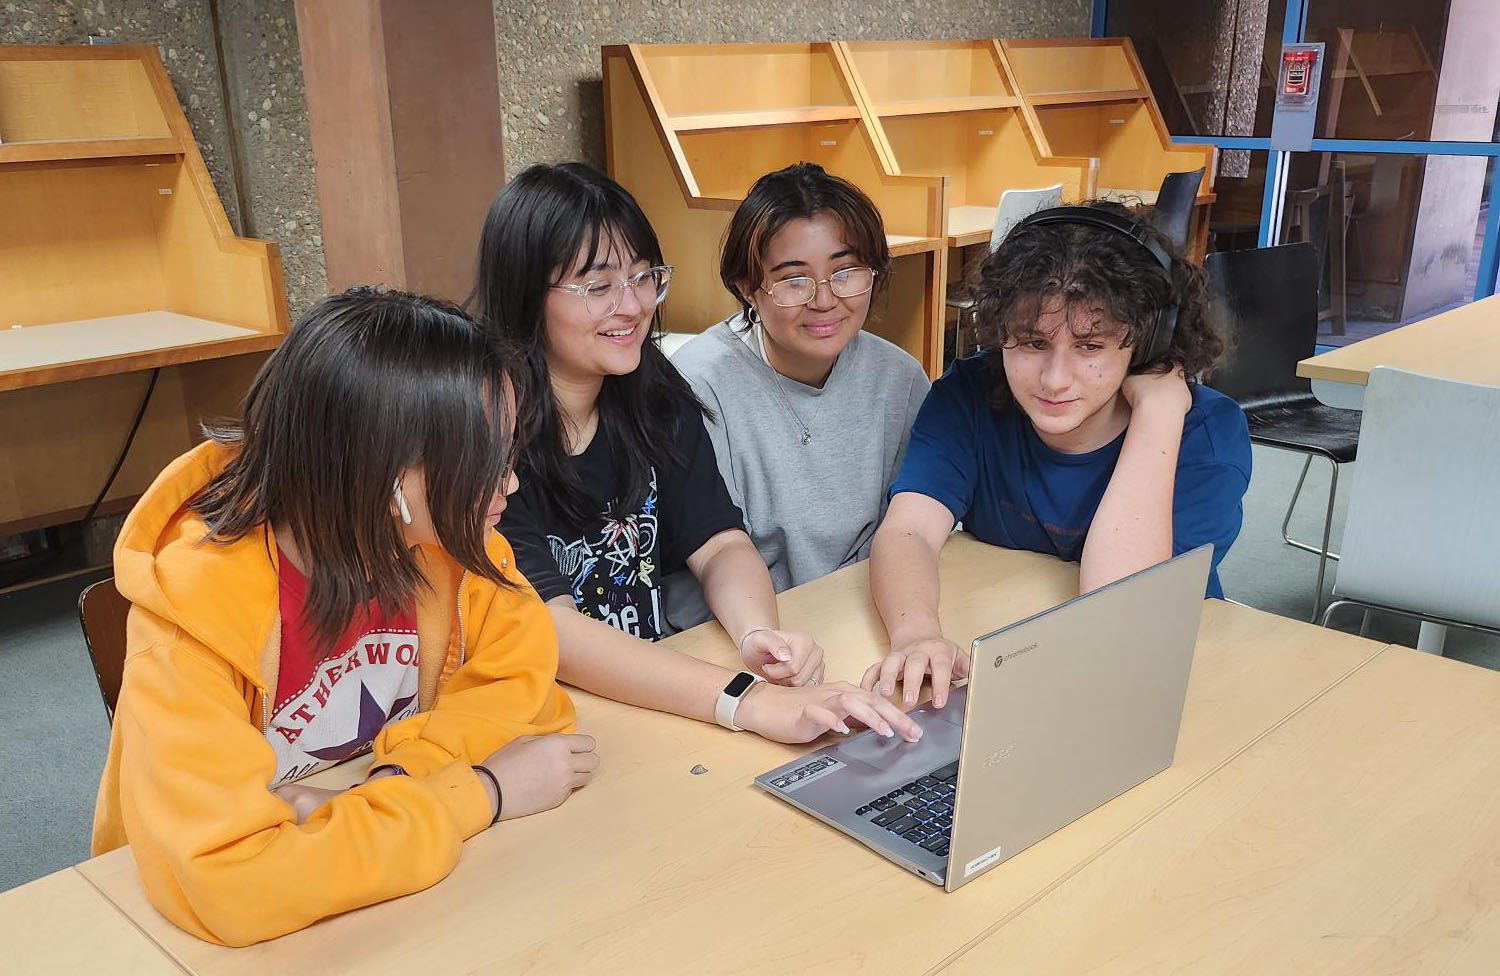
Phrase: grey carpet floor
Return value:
(53, 732)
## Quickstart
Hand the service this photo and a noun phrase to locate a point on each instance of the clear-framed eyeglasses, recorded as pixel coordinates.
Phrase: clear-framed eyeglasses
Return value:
(845, 283)
(602, 296)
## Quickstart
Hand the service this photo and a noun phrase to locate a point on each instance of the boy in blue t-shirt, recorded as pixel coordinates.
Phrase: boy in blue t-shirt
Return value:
(1074, 433)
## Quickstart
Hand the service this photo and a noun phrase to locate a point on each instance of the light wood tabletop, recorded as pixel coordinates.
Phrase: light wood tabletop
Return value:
(62, 924)
(654, 869)
(970, 225)
(1360, 836)
(1462, 344)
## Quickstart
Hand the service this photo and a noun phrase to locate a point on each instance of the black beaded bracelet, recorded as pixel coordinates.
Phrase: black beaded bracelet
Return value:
(499, 796)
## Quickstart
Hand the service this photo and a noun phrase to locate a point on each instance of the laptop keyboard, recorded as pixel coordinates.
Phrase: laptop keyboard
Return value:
(920, 811)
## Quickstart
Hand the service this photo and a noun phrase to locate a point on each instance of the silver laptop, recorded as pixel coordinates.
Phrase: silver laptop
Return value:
(1062, 712)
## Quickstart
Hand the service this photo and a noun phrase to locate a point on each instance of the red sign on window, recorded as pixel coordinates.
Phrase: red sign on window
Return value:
(1296, 73)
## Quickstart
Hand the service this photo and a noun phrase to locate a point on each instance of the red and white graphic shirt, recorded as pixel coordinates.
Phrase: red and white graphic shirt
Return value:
(329, 708)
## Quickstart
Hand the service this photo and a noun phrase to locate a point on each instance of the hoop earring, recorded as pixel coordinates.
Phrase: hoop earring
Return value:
(753, 315)
(401, 505)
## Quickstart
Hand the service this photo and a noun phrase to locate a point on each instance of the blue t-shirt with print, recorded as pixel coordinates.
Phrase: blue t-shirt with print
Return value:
(992, 471)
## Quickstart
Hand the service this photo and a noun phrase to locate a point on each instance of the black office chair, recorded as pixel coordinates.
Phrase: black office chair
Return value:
(1267, 299)
(1175, 200)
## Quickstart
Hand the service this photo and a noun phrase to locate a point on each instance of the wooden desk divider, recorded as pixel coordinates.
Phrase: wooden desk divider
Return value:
(689, 128)
(949, 108)
(117, 258)
(1089, 97)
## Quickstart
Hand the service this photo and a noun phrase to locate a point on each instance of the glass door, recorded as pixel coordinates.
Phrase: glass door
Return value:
(1397, 194)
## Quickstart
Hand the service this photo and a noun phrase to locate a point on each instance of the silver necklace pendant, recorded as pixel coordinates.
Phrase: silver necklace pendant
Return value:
(807, 437)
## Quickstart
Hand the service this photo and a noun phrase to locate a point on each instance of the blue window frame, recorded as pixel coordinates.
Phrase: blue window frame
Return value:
(1294, 30)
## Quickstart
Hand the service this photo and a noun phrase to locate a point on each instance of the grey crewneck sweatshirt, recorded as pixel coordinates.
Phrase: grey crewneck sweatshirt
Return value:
(810, 508)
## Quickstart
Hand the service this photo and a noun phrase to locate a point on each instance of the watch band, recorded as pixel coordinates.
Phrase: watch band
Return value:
(734, 692)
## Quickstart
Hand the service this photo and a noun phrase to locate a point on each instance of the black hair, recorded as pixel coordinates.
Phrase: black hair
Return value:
(799, 191)
(367, 384)
(1083, 266)
(531, 239)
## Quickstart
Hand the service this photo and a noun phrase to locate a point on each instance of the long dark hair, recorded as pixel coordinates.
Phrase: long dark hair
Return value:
(531, 240)
(367, 384)
(800, 191)
(1079, 264)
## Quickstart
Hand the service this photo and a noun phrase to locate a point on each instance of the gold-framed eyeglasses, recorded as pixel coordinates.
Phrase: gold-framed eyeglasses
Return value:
(602, 296)
(845, 283)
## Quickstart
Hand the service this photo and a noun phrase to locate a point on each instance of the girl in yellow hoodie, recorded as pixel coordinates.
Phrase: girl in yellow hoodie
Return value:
(316, 582)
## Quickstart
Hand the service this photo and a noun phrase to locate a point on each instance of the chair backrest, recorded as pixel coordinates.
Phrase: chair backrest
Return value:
(101, 612)
(1423, 528)
(1173, 214)
(1266, 299)
(673, 341)
(1017, 205)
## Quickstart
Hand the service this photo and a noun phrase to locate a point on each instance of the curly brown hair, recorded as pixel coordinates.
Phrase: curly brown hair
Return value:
(1092, 270)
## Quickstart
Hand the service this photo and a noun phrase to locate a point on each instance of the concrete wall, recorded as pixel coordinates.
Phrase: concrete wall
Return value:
(238, 72)
(549, 51)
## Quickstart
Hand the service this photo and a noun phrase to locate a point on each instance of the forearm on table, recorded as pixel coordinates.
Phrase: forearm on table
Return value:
(604, 661)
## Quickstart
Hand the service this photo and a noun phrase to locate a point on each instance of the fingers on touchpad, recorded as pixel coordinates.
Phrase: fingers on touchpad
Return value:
(875, 750)
(952, 711)
(940, 735)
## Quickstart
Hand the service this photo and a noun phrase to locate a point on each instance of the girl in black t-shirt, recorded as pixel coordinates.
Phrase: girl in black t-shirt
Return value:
(619, 488)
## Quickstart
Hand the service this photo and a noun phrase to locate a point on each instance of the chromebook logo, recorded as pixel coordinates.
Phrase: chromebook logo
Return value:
(1002, 657)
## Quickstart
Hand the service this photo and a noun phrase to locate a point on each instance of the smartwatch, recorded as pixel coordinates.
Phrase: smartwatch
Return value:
(731, 696)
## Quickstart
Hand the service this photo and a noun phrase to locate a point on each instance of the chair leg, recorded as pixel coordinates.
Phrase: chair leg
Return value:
(1328, 610)
(1296, 493)
(1323, 555)
(1286, 520)
(1364, 622)
(966, 318)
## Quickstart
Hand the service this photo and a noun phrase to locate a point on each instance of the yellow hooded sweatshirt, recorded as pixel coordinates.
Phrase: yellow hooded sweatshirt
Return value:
(186, 784)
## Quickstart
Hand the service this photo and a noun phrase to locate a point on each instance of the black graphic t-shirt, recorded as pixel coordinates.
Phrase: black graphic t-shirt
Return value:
(613, 565)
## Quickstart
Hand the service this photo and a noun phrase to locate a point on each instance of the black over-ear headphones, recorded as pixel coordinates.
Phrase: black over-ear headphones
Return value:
(1159, 337)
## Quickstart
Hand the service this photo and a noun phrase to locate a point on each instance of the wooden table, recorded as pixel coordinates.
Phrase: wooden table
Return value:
(654, 869)
(1461, 344)
(62, 924)
(970, 225)
(1361, 835)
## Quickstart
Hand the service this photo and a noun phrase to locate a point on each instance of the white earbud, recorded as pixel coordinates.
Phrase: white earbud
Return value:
(401, 503)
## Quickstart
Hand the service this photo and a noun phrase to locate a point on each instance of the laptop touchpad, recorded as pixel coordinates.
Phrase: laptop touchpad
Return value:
(939, 737)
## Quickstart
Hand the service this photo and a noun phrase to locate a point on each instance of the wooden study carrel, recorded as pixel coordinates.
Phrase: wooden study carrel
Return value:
(690, 127)
(932, 131)
(116, 257)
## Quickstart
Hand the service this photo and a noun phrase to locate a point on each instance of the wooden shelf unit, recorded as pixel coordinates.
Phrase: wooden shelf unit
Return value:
(950, 108)
(764, 117)
(115, 256)
(1089, 97)
(688, 130)
(64, 150)
(943, 106)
